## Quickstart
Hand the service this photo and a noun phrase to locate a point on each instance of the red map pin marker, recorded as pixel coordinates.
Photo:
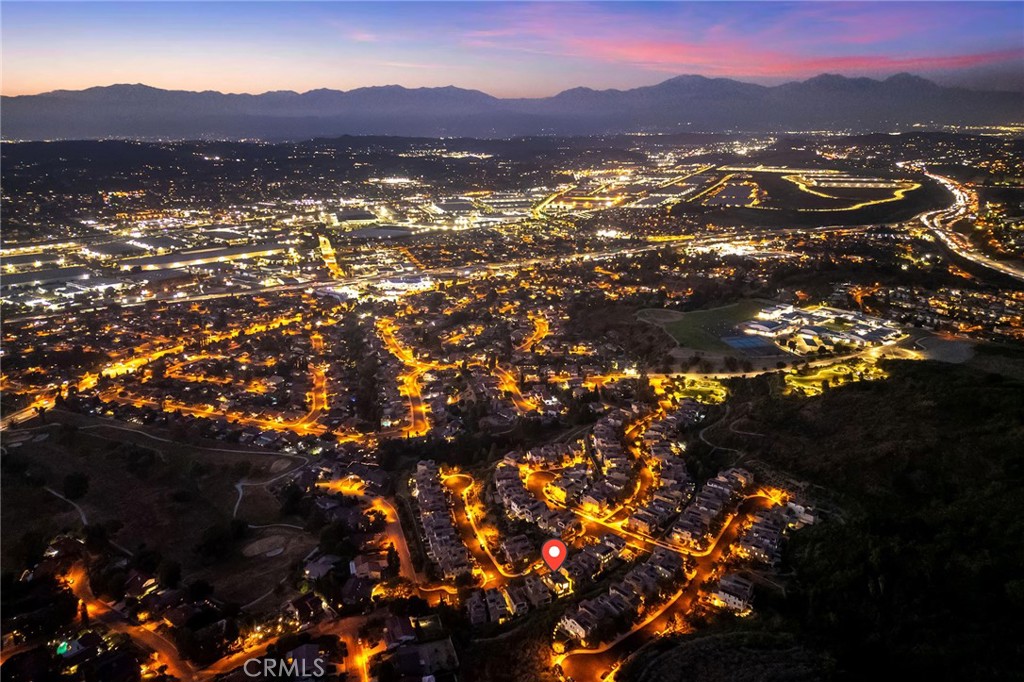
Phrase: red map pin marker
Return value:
(553, 553)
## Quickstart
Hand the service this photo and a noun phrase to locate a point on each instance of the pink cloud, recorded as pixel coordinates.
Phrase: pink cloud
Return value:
(730, 59)
(837, 23)
(807, 40)
(363, 36)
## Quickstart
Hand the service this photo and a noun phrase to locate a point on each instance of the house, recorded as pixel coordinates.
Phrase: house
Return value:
(518, 599)
(581, 567)
(518, 548)
(120, 665)
(497, 607)
(305, 609)
(615, 542)
(356, 591)
(643, 582)
(557, 583)
(156, 603)
(604, 554)
(616, 605)
(476, 608)
(375, 479)
(139, 584)
(320, 566)
(305, 659)
(180, 615)
(580, 625)
(398, 631)
(83, 648)
(536, 591)
(734, 592)
(371, 566)
(642, 521)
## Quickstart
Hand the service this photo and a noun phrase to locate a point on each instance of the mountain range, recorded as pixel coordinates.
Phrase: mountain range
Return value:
(681, 104)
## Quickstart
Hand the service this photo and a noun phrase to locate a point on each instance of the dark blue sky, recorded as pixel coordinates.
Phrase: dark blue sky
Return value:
(506, 49)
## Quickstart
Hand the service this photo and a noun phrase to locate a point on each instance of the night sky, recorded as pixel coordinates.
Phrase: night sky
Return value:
(505, 49)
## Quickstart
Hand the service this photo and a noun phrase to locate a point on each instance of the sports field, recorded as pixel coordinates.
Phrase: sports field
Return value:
(703, 329)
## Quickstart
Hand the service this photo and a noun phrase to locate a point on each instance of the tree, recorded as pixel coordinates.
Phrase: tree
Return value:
(388, 673)
(409, 606)
(169, 573)
(394, 562)
(199, 589)
(291, 499)
(96, 537)
(644, 389)
(219, 540)
(374, 522)
(30, 547)
(76, 485)
(667, 363)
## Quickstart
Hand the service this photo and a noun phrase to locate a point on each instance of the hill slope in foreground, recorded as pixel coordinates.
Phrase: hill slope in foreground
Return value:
(920, 578)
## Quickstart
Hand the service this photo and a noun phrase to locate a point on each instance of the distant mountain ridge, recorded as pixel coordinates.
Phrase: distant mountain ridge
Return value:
(680, 104)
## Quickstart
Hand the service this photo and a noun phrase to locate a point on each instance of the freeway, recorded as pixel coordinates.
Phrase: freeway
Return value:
(887, 350)
(22, 415)
(451, 270)
(410, 382)
(940, 224)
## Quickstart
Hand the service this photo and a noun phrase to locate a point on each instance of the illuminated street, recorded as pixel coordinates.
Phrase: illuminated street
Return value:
(322, 325)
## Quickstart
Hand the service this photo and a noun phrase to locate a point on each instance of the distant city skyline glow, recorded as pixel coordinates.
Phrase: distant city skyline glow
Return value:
(504, 49)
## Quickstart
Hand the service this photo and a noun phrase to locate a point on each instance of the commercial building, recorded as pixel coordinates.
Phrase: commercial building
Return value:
(187, 259)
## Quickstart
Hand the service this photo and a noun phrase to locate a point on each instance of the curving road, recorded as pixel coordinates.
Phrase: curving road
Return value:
(166, 651)
(590, 664)
(462, 486)
(940, 222)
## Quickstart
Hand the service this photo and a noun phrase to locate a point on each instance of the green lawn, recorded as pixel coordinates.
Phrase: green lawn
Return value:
(703, 329)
